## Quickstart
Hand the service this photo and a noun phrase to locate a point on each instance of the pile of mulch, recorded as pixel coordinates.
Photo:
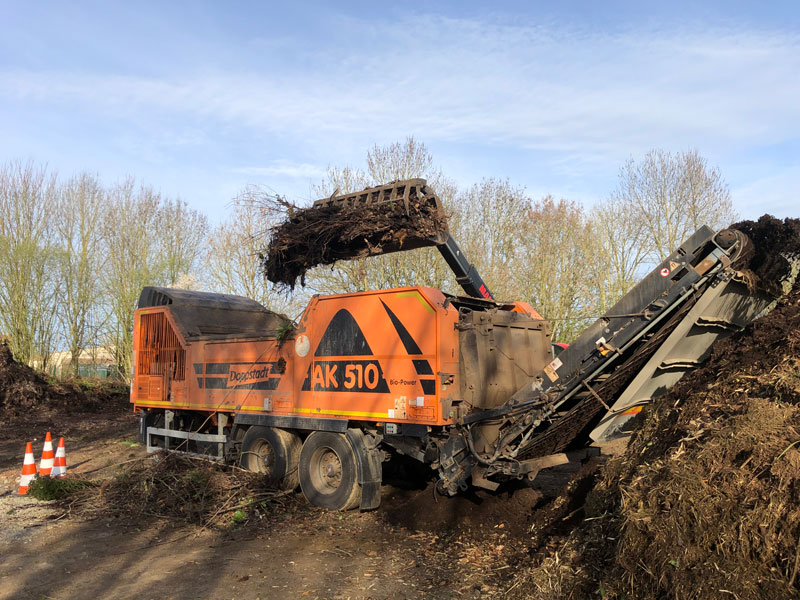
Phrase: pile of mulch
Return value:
(322, 235)
(178, 488)
(475, 512)
(24, 391)
(711, 498)
(705, 503)
(25, 394)
(774, 242)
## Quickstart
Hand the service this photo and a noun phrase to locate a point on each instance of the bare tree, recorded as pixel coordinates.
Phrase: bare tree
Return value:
(553, 265)
(671, 195)
(487, 224)
(134, 259)
(620, 241)
(80, 210)
(341, 180)
(401, 160)
(28, 258)
(183, 232)
(232, 264)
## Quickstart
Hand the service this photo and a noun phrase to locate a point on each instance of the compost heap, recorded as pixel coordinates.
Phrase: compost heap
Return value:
(705, 503)
(21, 388)
(25, 394)
(322, 235)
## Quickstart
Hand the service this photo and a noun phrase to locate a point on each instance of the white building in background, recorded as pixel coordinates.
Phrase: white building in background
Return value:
(92, 362)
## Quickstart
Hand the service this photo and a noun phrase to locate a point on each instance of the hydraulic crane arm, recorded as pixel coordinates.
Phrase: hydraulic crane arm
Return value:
(466, 274)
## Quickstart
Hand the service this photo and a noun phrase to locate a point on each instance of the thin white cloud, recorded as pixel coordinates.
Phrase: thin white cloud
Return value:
(585, 100)
(285, 168)
(593, 95)
(777, 194)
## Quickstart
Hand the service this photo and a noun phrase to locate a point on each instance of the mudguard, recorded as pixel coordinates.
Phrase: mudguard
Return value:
(368, 462)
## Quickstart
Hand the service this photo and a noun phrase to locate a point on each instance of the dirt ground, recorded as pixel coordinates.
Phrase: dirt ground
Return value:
(415, 545)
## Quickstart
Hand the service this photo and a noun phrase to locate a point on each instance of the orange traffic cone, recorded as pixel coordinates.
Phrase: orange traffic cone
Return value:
(60, 463)
(28, 470)
(46, 464)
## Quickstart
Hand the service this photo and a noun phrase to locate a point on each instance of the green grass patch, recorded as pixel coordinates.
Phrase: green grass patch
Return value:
(47, 488)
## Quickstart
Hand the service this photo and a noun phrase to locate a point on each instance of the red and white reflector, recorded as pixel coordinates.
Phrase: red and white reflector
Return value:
(60, 462)
(28, 470)
(46, 464)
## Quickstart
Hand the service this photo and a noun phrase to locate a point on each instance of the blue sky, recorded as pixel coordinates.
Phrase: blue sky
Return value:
(201, 99)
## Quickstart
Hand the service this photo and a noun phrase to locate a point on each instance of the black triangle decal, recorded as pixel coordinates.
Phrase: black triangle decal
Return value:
(343, 337)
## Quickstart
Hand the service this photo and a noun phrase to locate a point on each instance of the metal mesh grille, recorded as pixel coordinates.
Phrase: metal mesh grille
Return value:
(160, 351)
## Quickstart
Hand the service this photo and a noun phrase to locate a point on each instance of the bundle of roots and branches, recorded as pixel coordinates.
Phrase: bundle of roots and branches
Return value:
(322, 235)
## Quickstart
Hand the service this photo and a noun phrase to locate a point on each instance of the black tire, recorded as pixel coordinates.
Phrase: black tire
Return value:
(273, 452)
(328, 472)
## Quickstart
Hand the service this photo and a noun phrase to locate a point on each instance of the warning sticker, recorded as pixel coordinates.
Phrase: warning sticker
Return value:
(399, 408)
(302, 345)
(673, 265)
(550, 370)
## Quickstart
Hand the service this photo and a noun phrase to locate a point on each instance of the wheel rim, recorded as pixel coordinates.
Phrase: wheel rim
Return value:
(265, 456)
(327, 470)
